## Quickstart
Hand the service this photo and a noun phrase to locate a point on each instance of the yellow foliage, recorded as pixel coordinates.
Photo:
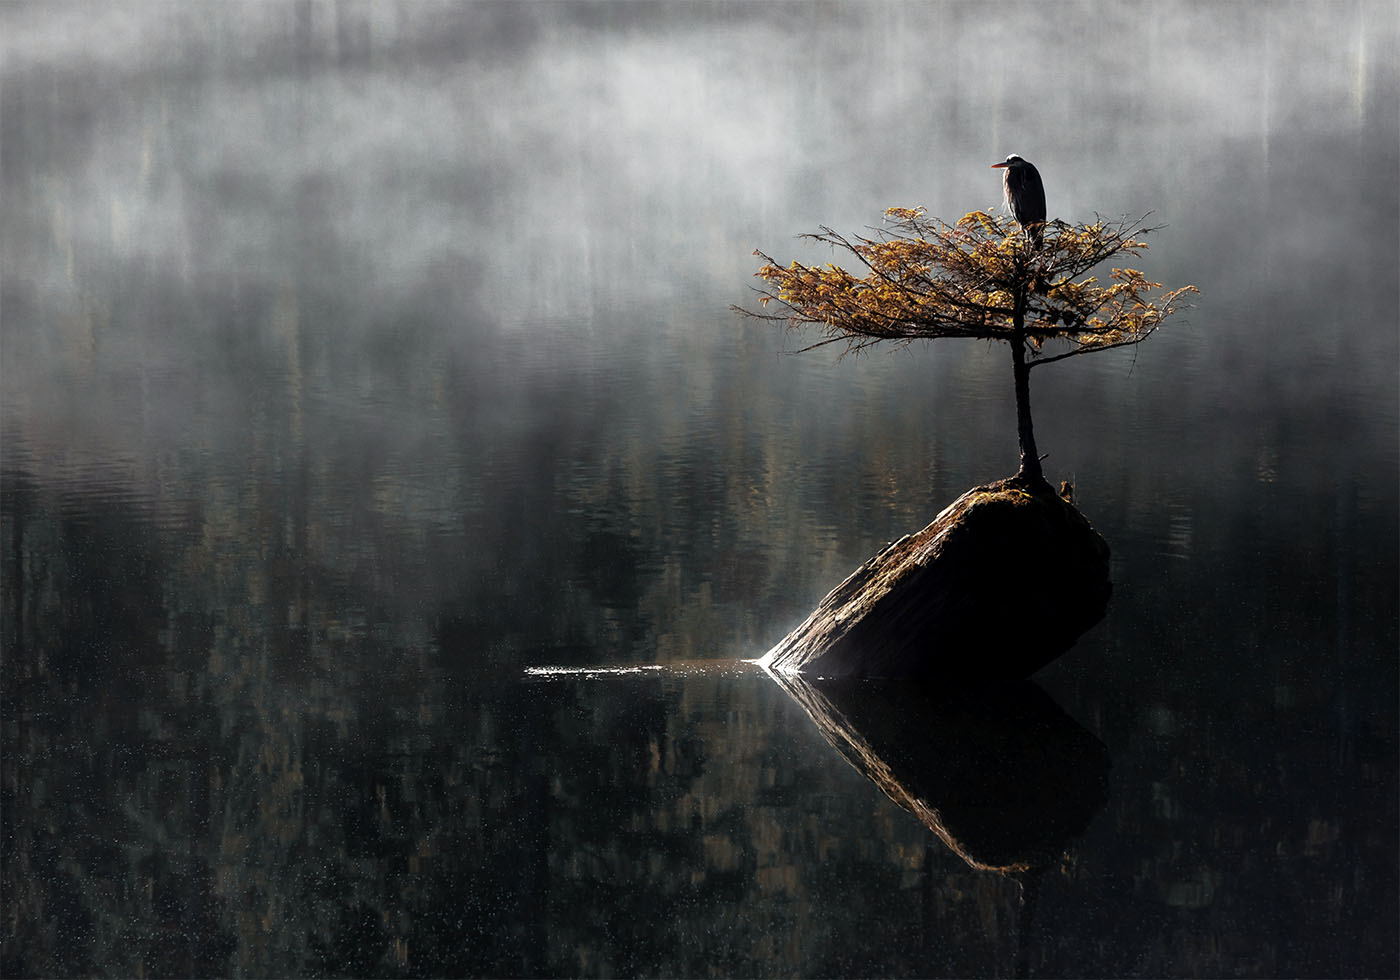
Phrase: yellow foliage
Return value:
(980, 277)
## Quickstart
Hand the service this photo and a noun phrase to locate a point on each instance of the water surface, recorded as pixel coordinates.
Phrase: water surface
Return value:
(357, 359)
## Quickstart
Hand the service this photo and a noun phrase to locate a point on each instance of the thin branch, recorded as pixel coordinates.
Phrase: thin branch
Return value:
(1090, 349)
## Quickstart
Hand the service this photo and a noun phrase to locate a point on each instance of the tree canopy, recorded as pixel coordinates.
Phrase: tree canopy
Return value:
(925, 279)
(979, 278)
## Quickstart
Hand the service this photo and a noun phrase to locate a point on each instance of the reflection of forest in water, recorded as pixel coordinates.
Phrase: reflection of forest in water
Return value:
(277, 790)
(307, 453)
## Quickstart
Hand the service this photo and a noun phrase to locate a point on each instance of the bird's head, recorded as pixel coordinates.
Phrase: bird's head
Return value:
(1014, 160)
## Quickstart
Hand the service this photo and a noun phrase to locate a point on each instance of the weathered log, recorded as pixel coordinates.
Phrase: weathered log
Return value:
(1003, 581)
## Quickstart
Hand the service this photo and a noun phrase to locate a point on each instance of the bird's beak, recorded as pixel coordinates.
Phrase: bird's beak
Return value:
(996, 165)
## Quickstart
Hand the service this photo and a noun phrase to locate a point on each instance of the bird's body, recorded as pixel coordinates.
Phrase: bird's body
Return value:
(1025, 195)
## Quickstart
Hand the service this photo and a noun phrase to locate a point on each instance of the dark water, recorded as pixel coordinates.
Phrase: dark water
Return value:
(357, 358)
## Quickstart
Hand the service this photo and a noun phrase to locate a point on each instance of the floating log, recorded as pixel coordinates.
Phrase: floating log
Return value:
(1003, 581)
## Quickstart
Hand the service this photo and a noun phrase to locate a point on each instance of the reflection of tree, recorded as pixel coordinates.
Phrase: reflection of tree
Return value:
(188, 794)
(105, 799)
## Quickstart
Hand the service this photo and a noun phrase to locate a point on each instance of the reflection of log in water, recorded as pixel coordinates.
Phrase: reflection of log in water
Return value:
(1001, 774)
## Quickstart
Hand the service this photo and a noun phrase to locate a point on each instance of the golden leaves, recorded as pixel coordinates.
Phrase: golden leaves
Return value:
(905, 214)
(980, 277)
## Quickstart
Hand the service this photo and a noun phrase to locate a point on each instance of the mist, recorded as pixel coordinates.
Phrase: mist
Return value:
(421, 219)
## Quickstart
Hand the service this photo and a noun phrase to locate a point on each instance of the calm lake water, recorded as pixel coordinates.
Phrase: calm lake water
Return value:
(359, 358)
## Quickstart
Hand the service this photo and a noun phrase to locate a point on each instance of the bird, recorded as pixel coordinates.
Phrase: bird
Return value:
(1025, 195)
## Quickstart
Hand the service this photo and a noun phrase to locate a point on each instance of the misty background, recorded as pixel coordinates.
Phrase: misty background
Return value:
(414, 240)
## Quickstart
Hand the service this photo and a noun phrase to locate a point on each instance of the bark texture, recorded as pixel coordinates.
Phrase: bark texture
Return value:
(1003, 581)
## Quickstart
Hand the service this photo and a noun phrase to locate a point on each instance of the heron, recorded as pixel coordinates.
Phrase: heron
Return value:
(1025, 195)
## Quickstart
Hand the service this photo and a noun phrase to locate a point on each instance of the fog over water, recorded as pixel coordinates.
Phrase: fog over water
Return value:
(355, 357)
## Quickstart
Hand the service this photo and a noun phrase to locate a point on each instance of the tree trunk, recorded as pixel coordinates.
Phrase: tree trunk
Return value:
(1030, 458)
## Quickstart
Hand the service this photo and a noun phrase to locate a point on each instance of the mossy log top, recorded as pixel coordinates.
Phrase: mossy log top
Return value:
(1002, 582)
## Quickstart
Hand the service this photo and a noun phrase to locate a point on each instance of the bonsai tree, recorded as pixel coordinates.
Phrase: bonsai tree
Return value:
(924, 279)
